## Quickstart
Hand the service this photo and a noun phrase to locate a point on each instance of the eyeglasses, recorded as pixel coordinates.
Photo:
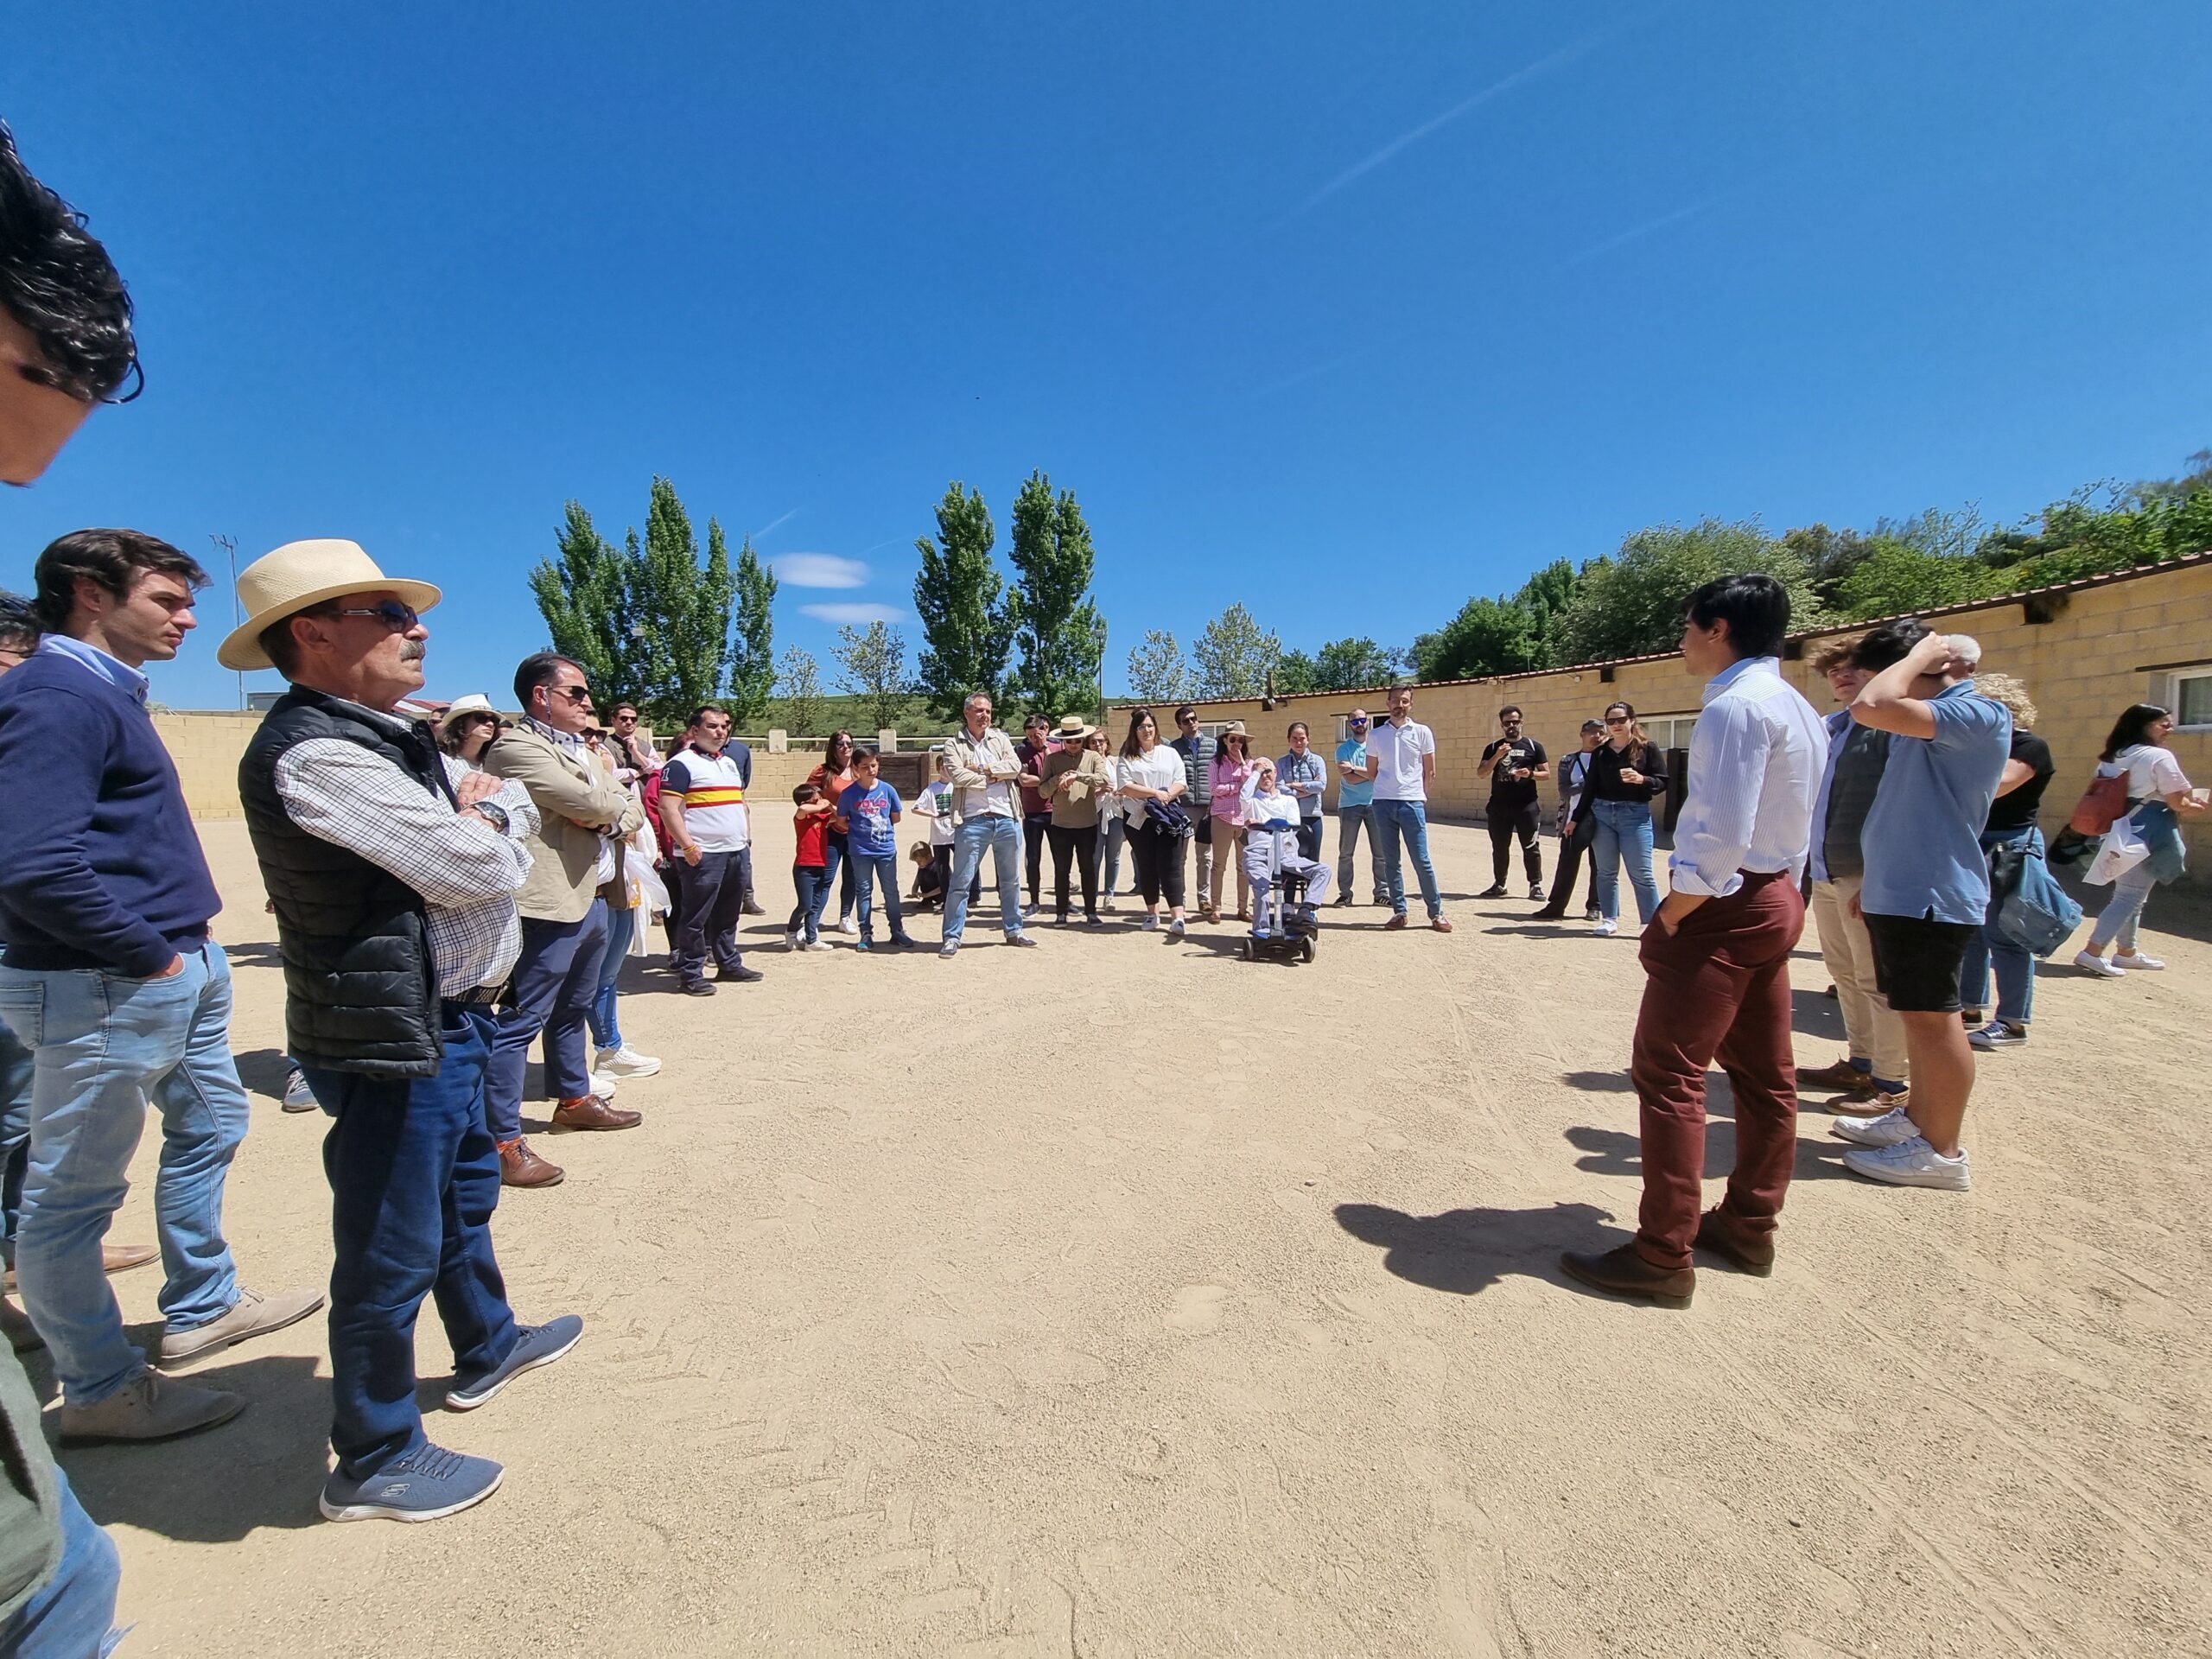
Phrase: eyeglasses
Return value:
(394, 615)
(573, 693)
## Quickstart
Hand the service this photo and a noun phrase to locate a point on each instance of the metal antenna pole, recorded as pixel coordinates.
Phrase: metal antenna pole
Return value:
(230, 546)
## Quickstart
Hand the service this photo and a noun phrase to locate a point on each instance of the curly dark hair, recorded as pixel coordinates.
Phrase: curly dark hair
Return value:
(19, 626)
(58, 282)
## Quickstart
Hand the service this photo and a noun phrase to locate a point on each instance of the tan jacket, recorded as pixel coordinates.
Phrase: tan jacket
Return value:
(969, 764)
(574, 800)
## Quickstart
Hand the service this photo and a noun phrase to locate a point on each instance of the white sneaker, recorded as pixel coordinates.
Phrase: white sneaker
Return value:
(819, 944)
(2090, 961)
(603, 1082)
(850, 927)
(624, 1062)
(1175, 926)
(1604, 927)
(1151, 923)
(791, 942)
(1889, 1128)
(2136, 959)
(1912, 1163)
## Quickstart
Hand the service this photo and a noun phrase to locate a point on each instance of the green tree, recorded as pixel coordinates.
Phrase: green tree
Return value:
(871, 665)
(1297, 673)
(583, 594)
(1234, 655)
(1353, 664)
(1058, 628)
(1158, 670)
(682, 607)
(967, 619)
(1489, 636)
(1631, 604)
(752, 640)
(798, 682)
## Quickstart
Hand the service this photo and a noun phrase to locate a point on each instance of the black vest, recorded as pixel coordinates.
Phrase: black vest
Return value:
(362, 992)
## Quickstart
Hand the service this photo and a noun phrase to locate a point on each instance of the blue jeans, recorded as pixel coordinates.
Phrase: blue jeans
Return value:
(811, 883)
(1623, 835)
(2123, 913)
(74, 1616)
(556, 978)
(606, 1025)
(1406, 822)
(837, 856)
(1003, 837)
(413, 1178)
(2016, 967)
(871, 870)
(1351, 820)
(1112, 829)
(16, 1068)
(106, 1045)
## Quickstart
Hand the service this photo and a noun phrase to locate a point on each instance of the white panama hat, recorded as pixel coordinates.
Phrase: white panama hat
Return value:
(300, 574)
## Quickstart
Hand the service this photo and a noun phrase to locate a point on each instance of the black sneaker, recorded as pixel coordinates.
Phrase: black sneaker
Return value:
(1536, 891)
(698, 987)
(1497, 891)
(742, 975)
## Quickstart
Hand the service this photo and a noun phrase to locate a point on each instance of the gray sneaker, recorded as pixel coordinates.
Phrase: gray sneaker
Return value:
(252, 1315)
(148, 1408)
(427, 1485)
(299, 1097)
(950, 948)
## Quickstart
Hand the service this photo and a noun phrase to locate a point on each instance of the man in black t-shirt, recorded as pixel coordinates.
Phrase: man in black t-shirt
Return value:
(1514, 763)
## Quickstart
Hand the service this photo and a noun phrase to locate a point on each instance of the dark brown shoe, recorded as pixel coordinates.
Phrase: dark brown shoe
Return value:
(520, 1167)
(1716, 1233)
(593, 1112)
(1397, 921)
(1843, 1076)
(1625, 1273)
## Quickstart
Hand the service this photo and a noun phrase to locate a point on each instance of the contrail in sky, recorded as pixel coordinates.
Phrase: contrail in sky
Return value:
(776, 523)
(1360, 169)
(1635, 232)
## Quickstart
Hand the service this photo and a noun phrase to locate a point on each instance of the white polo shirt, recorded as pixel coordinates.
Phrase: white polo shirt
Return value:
(1397, 751)
(712, 789)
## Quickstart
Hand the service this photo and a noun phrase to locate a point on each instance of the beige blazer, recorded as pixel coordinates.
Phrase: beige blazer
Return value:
(574, 801)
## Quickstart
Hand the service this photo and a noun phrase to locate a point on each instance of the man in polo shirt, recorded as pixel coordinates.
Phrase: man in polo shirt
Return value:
(1400, 761)
(984, 771)
(1197, 751)
(1356, 810)
(702, 801)
(1927, 886)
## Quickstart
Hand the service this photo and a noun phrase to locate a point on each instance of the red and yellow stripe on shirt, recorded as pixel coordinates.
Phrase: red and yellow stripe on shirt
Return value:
(706, 795)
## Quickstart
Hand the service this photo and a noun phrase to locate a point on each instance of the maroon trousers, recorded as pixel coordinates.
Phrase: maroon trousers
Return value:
(1718, 989)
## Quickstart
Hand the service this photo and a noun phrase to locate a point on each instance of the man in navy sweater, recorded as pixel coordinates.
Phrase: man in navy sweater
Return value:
(112, 981)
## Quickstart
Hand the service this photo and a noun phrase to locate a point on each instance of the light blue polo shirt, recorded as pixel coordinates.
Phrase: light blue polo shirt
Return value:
(1923, 839)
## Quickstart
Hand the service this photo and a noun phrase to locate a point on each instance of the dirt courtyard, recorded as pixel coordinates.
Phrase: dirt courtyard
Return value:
(1122, 1298)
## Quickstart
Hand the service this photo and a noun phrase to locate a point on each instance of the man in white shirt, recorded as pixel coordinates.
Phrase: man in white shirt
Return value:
(983, 769)
(1400, 761)
(1717, 962)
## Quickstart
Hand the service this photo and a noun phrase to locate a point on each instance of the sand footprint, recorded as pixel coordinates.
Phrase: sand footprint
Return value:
(1197, 1308)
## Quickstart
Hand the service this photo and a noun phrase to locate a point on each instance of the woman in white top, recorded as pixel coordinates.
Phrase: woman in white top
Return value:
(2153, 774)
(1148, 770)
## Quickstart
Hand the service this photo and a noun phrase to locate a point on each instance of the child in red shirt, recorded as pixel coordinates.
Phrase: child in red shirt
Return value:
(810, 867)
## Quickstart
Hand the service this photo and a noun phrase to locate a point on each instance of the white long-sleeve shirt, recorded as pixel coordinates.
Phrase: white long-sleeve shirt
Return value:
(1756, 758)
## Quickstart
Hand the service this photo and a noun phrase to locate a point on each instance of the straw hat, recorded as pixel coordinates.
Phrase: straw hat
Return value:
(1072, 730)
(1235, 728)
(300, 574)
(469, 703)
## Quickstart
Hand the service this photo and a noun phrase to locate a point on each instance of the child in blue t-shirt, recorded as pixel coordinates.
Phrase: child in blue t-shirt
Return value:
(869, 813)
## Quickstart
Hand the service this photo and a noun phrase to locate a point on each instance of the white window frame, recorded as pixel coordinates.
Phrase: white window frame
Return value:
(2166, 691)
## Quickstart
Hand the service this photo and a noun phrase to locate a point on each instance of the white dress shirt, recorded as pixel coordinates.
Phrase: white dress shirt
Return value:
(1755, 760)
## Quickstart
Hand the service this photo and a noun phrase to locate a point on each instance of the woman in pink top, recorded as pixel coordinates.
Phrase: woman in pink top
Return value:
(1232, 767)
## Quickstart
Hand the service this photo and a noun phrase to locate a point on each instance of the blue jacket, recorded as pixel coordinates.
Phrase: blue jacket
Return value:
(2160, 827)
(99, 864)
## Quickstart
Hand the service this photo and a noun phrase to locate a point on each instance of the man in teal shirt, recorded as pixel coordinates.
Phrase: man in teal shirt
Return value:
(1356, 810)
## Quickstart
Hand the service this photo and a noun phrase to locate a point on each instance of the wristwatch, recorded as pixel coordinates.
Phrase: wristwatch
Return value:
(493, 813)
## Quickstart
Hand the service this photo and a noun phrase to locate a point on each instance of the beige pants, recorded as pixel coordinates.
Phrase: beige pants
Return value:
(1875, 1033)
(1228, 848)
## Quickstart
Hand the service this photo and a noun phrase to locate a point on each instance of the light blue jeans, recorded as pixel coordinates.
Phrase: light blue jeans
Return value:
(606, 1025)
(2016, 968)
(1003, 837)
(104, 1047)
(1113, 828)
(73, 1616)
(1406, 822)
(1623, 836)
(2123, 913)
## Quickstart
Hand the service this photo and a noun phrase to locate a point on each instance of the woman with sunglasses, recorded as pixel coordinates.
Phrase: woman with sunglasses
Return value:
(1627, 772)
(833, 777)
(1231, 771)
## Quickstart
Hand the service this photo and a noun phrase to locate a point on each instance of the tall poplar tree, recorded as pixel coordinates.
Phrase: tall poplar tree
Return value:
(682, 607)
(967, 616)
(753, 644)
(1058, 628)
(583, 594)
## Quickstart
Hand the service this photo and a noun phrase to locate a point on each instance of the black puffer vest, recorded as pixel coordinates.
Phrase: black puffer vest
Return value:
(362, 992)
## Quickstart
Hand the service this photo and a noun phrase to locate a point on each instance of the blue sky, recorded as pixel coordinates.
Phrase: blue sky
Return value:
(1346, 312)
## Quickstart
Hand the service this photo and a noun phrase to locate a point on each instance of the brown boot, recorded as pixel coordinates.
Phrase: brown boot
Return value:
(1625, 1273)
(520, 1167)
(1724, 1237)
(590, 1112)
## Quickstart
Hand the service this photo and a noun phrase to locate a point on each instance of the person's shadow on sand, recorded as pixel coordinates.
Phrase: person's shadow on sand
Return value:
(1463, 1251)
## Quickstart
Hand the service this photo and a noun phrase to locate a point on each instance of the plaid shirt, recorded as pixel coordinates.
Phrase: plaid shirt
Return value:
(467, 872)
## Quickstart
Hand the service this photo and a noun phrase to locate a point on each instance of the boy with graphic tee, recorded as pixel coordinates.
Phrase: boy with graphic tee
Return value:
(868, 811)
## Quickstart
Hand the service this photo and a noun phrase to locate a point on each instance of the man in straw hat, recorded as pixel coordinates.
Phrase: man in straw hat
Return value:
(393, 870)
(1075, 782)
(113, 983)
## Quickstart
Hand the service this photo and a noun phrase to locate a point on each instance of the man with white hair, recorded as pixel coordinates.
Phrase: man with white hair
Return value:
(984, 771)
(1926, 889)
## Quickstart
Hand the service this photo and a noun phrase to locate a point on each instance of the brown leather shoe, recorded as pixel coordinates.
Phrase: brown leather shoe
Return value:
(1397, 921)
(1843, 1076)
(1625, 1273)
(593, 1112)
(520, 1167)
(1440, 926)
(1724, 1238)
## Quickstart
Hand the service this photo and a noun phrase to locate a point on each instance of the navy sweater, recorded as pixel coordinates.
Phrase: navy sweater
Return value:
(99, 864)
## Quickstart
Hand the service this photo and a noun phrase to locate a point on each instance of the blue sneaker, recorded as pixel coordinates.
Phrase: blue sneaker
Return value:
(427, 1485)
(863, 943)
(535, 1345)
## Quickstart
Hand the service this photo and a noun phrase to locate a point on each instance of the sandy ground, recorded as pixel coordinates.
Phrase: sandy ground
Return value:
(1122, 1298)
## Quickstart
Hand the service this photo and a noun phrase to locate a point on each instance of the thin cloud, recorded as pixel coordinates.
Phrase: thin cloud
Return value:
(858, 614)
(819, 570)
(1635, 232)
(1360, 169)
(775, 525)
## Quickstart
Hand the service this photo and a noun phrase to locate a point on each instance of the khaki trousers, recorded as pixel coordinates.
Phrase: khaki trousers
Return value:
(1228, 850)
(1874, 1032)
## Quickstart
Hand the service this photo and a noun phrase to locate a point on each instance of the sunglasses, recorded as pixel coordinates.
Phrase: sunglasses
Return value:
(573, 693)
(1617, 720)
(389, 612)
(1360, 720)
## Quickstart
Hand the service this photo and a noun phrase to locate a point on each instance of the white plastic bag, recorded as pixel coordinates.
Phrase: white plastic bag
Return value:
(2121, 850)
